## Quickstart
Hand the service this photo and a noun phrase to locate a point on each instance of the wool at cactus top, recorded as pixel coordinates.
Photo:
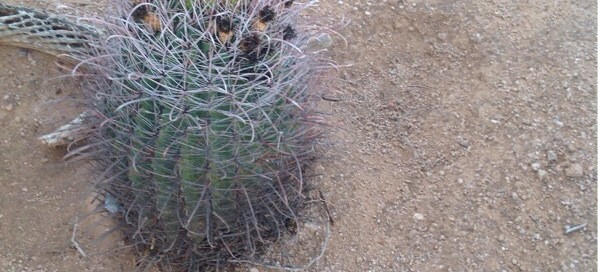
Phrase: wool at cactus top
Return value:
(203, 123)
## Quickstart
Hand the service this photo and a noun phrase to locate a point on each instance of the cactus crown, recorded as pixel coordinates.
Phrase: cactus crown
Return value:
(204, 117)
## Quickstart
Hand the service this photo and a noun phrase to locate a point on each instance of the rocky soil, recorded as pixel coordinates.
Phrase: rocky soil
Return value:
(464, 140)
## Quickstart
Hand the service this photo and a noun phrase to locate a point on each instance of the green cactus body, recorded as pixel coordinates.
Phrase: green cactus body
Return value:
(207, 120)
(163, 165)
(194, 184)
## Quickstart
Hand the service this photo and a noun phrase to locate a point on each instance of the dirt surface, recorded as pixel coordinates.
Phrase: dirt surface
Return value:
(466, 141)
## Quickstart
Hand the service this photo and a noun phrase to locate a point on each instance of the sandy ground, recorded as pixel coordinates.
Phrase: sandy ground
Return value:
(465, 141)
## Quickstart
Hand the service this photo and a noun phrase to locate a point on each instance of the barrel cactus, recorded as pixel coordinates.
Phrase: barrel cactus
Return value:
(202, 120)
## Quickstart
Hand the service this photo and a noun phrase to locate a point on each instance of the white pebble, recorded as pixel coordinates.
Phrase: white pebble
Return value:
(418, 217)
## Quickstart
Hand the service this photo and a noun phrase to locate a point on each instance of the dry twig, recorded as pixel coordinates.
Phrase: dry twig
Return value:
(74, 239)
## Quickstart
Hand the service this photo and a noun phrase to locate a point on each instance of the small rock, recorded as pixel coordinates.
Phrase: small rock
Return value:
(463, 142)
(254, 270)
(522, 231)
(25, 189)
(551, 155)
(412, 234)
(111, 204)
(321, 42)
(44, 159)
(536, 166)
(572, 159)
(9, 107)
(541, 174)
(418, 217)
(1, 215)
(442, 36)
(571, 148)
(514, 195)
(574, 171)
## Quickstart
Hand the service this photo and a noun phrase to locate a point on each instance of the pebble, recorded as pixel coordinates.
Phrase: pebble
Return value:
(25, 189)
(574, 171)
(463, 142)
(541, 174)
(254, 270)
(321, 42)
(522, 231)
(418, 217)
(442, 36)
(571, 148)
(551, 155)
(514, 195)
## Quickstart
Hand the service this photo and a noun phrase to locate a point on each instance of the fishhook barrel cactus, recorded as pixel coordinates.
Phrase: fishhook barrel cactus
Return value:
(202, 119)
